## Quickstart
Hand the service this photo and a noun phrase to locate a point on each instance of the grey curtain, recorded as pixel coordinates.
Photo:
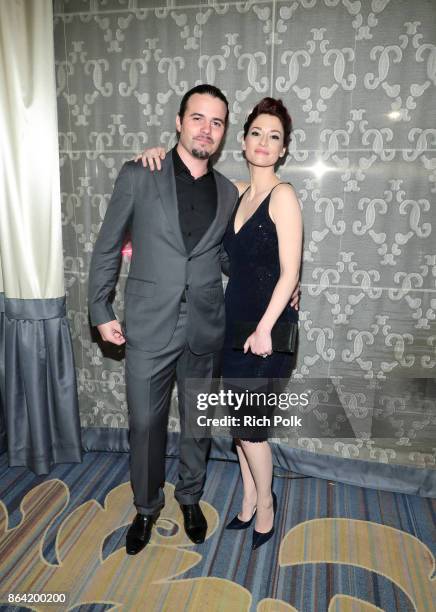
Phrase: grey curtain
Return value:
(39, 421)
(359, 81)
(3, 443)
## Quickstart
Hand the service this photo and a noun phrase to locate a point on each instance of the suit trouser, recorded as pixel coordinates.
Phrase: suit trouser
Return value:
(149, 381)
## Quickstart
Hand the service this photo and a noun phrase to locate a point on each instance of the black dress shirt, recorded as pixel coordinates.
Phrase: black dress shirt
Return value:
(196, 200)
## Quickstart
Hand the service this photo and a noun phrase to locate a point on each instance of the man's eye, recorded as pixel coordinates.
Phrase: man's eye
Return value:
(216, 124)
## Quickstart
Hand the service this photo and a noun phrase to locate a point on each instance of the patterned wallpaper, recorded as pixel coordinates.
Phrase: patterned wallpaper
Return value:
(359, 80)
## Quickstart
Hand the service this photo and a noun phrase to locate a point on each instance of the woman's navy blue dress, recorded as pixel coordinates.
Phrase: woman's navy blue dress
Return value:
(254, 271)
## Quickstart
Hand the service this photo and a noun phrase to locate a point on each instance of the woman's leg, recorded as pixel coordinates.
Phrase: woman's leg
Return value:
(259, 459)
(249, 499)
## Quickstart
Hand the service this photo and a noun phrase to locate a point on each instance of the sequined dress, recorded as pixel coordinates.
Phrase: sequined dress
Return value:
(254, 271)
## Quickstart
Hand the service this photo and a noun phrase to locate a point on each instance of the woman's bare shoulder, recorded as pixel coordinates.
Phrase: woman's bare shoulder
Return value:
(284, 192)
(241, 186)
(283, 188)
(284, 198)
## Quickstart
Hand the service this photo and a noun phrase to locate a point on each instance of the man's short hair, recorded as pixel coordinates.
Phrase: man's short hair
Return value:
(205, 88)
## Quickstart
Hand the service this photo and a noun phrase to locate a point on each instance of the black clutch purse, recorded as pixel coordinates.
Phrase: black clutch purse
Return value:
(283, 335)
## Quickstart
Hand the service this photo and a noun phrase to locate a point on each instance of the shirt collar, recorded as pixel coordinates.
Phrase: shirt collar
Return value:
(181, 168)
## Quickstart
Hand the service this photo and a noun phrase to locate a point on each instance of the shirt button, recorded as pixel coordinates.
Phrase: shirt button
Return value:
(189, 258)
(186, 287)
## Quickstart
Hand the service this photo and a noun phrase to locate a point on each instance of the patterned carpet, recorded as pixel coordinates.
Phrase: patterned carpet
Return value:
(337, 548)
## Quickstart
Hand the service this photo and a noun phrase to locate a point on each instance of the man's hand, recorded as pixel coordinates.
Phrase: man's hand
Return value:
(151, 157)
(111, 332)
(295, 297)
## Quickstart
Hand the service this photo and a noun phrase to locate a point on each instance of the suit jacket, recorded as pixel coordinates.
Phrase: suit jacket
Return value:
(145, 203)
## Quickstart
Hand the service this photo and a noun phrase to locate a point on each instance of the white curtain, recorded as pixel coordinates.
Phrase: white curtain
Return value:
(39, 422)
(30, 213)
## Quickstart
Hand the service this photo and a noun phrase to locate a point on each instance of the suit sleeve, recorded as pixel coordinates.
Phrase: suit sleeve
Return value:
(106, 256)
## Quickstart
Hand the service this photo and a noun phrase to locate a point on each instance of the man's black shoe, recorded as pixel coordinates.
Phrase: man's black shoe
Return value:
(139, 532)
(195, 522)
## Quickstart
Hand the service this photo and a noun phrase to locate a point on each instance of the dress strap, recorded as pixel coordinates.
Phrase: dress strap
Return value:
(278, 185)
(244, 192)
(235, 210)
(268, 197)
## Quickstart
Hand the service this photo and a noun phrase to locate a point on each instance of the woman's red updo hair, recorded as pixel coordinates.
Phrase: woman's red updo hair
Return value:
(276, 108)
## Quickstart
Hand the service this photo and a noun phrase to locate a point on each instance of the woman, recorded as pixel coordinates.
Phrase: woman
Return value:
(263, 241)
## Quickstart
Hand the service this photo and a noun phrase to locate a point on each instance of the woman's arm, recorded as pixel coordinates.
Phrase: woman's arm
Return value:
(286, 214)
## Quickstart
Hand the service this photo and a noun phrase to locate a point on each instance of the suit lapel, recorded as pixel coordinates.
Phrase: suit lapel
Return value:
(166, 185)
(219, 217)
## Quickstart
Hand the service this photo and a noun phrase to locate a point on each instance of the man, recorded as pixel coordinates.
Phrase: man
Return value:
(174, 309)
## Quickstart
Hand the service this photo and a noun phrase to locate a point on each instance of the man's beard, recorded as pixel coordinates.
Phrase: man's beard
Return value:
(200, 153)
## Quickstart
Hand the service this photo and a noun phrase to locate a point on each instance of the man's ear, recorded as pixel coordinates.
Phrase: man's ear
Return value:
(178, 123)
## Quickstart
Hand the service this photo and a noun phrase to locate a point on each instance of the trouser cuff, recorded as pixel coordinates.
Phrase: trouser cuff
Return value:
(187, 498)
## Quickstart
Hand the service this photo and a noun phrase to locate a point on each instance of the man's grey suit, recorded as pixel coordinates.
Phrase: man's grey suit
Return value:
(165, 337)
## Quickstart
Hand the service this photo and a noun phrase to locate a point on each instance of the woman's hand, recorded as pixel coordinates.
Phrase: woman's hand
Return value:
(151, 157)
(259, 343)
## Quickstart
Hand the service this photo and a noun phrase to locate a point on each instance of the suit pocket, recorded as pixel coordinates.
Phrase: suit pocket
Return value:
(143, 288)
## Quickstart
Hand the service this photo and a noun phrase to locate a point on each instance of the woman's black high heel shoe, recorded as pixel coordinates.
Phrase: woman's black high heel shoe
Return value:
(260, 538)
(236, 522)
